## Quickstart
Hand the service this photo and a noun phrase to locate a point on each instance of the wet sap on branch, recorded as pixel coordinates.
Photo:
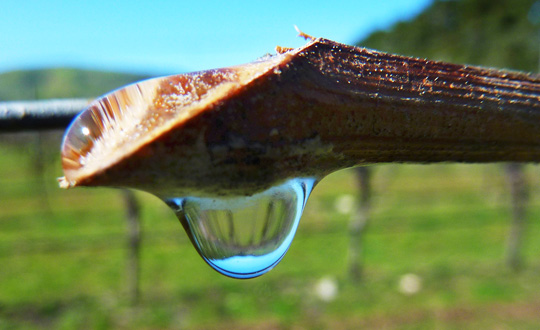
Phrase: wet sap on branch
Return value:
(247, 236)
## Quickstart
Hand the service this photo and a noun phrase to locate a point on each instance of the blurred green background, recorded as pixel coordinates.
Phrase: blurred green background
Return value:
(433, 252)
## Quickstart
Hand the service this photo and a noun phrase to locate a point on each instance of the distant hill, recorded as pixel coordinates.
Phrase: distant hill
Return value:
(60, 83)
(494, 33)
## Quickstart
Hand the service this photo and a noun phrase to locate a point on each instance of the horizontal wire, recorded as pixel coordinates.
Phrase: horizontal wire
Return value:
(91, 243)
(39, 115)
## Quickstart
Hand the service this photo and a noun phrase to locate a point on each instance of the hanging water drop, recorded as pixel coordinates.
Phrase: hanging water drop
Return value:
(244, 237)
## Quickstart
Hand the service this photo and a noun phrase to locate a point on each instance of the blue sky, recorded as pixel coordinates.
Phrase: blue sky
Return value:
(166, 37)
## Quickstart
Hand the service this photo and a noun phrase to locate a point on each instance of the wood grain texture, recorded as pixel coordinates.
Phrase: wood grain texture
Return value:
(328, 106)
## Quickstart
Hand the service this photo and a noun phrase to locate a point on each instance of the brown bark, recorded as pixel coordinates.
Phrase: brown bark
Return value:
(327, 106)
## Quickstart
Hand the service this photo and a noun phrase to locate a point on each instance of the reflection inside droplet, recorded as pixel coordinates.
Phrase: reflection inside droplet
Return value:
(244, 237)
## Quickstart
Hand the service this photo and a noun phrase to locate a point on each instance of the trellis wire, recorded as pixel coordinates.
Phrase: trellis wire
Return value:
(39, 115)
(18, 116)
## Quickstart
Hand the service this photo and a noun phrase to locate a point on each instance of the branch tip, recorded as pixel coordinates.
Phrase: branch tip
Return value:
(281, 50)
(304, 35)
(63, 183)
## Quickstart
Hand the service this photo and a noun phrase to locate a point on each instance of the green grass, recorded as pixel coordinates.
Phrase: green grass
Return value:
(63, 257)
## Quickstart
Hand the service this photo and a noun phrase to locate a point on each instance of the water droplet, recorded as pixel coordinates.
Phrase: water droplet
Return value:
(244, 237)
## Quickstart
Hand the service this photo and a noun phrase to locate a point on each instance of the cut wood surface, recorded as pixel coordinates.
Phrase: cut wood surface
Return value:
(307, 112)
